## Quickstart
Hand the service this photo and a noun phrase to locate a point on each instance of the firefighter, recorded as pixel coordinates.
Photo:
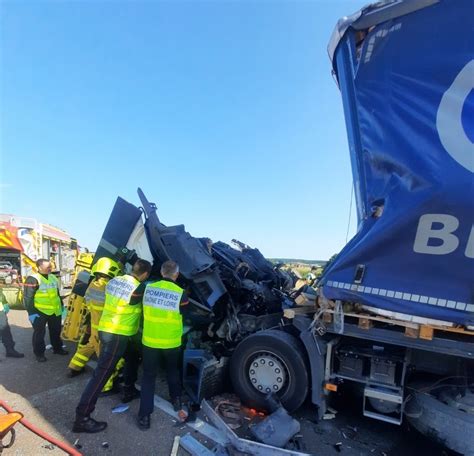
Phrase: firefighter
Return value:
(119, 322)
(5, 331)
(162, 335)
(104, 270)
(44, 306)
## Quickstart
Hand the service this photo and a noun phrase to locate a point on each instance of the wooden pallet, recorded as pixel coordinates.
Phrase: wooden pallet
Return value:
(300, 310)
(413, 330)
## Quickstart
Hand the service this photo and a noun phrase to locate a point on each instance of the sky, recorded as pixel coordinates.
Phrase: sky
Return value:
(225, 113)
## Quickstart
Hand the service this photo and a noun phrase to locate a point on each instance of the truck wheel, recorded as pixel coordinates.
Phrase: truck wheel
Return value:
(449, 423)
(270, 362)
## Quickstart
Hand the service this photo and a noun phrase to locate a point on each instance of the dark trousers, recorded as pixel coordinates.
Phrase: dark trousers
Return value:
(132, 357)
(151, 359)
(5, 332)
(112, 348)
(39, 331)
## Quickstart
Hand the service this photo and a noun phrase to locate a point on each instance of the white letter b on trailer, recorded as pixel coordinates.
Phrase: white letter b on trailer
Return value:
(444, 239)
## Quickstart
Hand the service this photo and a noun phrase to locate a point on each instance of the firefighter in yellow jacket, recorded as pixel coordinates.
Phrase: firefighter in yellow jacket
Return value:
(104, 270)
(162, 338)
(119, 322)
(44, 306)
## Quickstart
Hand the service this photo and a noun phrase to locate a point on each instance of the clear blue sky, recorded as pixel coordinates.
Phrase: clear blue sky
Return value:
(225, 113)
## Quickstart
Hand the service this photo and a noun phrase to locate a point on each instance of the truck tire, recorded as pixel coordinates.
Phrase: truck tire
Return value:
(270, 362)
(445, 424)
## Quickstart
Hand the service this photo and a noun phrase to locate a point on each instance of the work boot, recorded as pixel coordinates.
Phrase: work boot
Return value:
(144, 422)
(74, 373)
(41, 358)
(129, 394)
(61, 351)
(114, 390)
(88, 425)
(12, 353)
(178, 407)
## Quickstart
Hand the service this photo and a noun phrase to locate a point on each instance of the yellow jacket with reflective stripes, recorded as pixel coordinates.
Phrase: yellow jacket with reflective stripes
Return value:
(162, 321)
(95, 298)
(47, 298)
(118, 316)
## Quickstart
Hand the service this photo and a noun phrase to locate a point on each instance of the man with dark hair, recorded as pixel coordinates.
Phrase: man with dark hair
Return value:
(44, 306)
(162, 334)
(119, 322)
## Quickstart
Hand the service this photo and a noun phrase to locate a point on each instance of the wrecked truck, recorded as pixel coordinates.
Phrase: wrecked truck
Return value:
(234, 292)
(394, 315)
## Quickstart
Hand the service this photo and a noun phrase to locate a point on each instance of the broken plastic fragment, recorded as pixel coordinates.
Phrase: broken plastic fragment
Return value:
(120, 408)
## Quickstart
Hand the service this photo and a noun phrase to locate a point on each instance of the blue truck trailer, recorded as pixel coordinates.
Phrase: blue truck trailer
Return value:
(394, 314)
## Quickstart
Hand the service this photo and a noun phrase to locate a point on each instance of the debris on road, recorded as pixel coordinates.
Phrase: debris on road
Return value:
(349, 432)
(276, 429)
(175, 448)
(242, 444)
(120, 408)
(193, 447)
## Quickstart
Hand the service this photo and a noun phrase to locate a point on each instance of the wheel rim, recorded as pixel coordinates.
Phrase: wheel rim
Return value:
(268, 373)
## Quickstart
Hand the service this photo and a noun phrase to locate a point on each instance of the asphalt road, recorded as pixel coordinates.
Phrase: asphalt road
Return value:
(47, 398)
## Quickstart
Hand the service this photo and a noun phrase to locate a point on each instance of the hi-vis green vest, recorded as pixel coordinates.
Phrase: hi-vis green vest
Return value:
(162, 321)
(46, 298)
(118, 316)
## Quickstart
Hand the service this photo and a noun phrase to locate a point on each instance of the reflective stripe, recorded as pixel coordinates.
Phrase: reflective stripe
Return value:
(46, 298)
(77, 363)
(130, 309)
(45, 306)
(111, 325)
(403, 295)
(118, 316)
(162, 320)
(157, 319)
(94, 294)
(78, 355)
(169, 343)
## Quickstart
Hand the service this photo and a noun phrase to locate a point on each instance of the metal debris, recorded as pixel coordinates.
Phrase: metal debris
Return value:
(231, 412)
(276, 429)
(244, 445)
(192, 446)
